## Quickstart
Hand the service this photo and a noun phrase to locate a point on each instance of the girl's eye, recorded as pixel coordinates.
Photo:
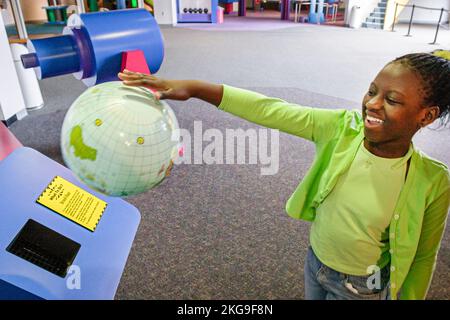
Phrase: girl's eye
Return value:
(370, 93)
(391, 101)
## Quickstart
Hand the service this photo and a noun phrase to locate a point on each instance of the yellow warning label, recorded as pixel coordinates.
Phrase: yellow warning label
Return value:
(73, 202)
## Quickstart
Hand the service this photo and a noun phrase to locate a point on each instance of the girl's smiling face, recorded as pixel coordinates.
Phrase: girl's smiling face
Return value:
(393, 111)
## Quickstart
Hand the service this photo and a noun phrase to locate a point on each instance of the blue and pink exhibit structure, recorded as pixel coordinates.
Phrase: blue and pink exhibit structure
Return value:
(228, 6)
(196, 11)
(93, 52)
(44, 255)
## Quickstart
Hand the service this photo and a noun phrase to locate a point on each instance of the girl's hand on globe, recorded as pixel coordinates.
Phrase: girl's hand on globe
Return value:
(163, 89)
(174, 89)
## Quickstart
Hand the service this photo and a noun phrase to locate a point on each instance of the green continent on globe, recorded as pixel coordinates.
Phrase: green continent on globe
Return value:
(82, 151)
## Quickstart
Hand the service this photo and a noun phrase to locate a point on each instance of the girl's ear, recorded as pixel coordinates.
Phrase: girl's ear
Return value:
(430, 114)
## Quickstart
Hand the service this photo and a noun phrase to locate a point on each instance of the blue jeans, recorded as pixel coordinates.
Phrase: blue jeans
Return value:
(324, 283)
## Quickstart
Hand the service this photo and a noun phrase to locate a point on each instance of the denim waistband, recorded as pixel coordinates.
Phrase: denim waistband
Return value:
(385, 271)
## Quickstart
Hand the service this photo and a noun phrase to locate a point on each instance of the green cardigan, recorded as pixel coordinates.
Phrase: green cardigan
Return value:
(420, 215)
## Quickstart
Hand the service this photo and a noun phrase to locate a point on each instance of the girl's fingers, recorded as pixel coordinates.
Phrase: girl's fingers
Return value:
(163, 94)
(141, 80)
(134, 83)
(123, 76)
(136, 76)
(140, 83)
(129, 76)
(159, 94)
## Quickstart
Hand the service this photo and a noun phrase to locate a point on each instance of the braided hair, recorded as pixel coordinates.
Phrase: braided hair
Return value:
(434, 70)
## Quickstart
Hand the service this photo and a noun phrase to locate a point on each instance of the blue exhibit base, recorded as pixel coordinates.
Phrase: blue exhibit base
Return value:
(98, 262)
(316, 18)
(11, 292)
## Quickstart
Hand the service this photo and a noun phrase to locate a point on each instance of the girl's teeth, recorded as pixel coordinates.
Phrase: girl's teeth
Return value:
(371, 119)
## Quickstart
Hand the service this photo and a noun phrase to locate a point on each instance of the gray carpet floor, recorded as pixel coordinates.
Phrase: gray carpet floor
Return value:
(220, 231)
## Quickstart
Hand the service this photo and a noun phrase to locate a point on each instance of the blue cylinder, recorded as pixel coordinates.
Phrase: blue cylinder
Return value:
(92, 46)
(56, 56)
(113, 32)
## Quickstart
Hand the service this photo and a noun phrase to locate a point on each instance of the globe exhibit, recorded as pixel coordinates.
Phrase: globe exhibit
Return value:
(119, 139)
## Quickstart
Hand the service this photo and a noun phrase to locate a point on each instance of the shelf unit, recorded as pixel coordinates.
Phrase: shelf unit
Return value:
(196, 17)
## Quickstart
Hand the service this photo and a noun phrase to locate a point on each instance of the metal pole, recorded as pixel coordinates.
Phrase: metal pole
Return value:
(80, 6)
(242, 9)
(410, 21)
(18, 18)
(438, 25)
(295, 11)
(285, 8)
(395, 16)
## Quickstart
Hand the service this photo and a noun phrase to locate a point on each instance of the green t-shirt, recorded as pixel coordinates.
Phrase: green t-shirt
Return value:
(351, 231)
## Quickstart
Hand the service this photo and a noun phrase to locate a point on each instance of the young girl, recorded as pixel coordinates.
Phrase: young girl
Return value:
(377, 203)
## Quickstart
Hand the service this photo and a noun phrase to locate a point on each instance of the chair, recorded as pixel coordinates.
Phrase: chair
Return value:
(335, 7)
(298, 8)
(326, 5)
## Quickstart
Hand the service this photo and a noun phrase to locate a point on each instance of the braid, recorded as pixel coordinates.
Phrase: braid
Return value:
(434, 70)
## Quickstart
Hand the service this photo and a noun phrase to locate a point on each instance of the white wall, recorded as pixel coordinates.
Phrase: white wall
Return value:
(165, 11)
(423, 15)
(32, 10)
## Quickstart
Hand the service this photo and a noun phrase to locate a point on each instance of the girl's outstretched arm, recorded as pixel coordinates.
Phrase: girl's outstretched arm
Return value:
(309, 123)
(175, 89)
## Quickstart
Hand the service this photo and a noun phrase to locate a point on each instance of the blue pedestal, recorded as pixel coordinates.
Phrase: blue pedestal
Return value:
(316, 15)
(316, 18)
(24, 175)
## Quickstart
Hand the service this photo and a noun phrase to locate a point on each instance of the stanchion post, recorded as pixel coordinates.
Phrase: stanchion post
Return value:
(395, 16)
(438, 25)
(410, 21)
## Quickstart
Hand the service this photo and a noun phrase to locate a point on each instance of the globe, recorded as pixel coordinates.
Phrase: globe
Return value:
(119, 139)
